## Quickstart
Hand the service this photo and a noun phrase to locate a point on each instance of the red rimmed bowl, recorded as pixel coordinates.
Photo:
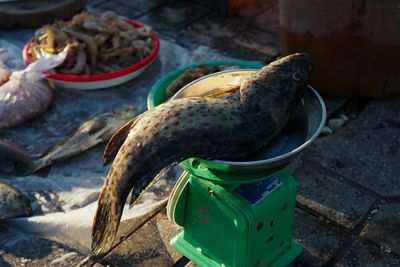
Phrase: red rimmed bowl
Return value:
(103, 80)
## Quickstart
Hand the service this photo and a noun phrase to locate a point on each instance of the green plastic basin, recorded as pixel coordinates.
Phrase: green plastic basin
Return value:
(157, 93)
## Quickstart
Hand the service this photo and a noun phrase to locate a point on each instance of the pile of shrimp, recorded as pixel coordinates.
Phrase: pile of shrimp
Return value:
(97, 44)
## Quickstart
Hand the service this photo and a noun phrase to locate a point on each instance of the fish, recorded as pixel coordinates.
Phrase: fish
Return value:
(228, 125)
(192, 74)
(90, 133)
(10, 155)
(13, 203)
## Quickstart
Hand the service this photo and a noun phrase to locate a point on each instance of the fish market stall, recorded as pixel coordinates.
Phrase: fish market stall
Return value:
(169, 134)
(63, 196)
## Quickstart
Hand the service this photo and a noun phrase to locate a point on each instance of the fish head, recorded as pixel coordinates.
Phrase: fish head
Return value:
(278, 86)
(292, 75)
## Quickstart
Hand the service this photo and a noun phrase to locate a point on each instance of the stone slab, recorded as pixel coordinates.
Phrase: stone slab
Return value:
(173, 16)
(380, 113)
(35, 251)
(252, 44)
(333, 104)
(142, 6)
(148, 246)
(383, 229)
(319, 238)
(94, 2)
(120, 9)
(368, 156)
(251, 11)
(213, 29)
(130, 9)
(329, 196)
(366, 254)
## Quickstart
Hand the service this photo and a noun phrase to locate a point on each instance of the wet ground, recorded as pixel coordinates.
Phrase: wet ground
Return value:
(348, 203)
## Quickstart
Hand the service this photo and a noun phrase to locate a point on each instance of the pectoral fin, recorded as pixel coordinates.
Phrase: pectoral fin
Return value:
(117, 140)
(136, 194)
(229, 89)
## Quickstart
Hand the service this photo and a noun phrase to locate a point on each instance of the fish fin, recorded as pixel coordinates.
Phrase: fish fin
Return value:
(26, 167)
(107, 218)
(135, 196)
(117, 140)
(230, 89)
(43, 172)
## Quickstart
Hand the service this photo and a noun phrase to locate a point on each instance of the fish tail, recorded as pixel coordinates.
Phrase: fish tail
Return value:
(106, 220)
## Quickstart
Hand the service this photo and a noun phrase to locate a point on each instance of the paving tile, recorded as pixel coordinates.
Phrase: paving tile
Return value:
(366, 155)
(251, 11)
(366, 254)
(260, 41)
(94, 2)
(121, 10)
(210, 30)
(380, 113)
(319, 238)
(168, 230)
(252, 44)
(148, 246)
(269, 19)
(383, 229)
(332, 104)
(34, 251)
(329, 196)
(142, 6)
(173, 16)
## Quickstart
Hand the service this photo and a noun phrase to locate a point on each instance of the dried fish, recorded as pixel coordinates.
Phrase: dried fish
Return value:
(89, 134)
(13, 203)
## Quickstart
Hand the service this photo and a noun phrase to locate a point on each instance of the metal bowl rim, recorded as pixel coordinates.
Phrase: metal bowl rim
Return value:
(175, 96)
(274, 159)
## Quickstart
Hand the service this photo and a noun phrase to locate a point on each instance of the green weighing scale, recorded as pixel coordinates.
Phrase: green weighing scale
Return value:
(240, 213)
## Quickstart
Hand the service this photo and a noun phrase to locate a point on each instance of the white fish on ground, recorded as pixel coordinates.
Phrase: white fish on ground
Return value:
(13, 203)
(90, 133)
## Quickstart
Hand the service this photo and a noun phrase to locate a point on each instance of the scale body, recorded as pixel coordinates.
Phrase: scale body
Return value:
(240, 213)
(234, 224)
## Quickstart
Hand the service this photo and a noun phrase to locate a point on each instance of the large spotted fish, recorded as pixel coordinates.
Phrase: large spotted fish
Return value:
(218, 126)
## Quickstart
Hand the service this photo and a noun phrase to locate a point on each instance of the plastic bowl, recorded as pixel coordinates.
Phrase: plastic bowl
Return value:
(103, 80)
(157, 94)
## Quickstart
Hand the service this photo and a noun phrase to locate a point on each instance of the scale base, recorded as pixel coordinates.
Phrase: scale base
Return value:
(196, 256)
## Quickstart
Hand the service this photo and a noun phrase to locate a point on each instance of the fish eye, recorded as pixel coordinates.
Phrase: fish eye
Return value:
(297, 76)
